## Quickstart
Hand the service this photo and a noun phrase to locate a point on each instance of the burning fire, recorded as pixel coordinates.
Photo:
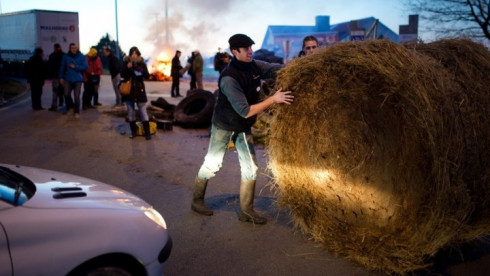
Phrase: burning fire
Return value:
(161, 67)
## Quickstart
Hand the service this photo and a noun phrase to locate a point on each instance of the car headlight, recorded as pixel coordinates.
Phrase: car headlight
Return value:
(155, 216)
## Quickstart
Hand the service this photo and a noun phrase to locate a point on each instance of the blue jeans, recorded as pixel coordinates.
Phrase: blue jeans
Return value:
(58, 93)
(115, 84)
(218, 145)
(132, 113)
(75, 101)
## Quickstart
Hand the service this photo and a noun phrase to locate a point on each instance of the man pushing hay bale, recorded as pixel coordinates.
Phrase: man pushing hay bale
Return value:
(369, 158)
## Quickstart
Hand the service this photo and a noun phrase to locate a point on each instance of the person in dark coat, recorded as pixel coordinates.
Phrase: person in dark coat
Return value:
(54, 62)
(175, 72)
(190, 62)
(135, 69)
(35, 76)
(115, 68)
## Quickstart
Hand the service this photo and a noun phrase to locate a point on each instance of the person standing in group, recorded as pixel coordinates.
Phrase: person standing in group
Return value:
(175, 72)
(310, 44)
(91, 79)
(135, 69)
(115, 68)
(188, 67)
(54, 62)
(221, 60)
(197, 68)
(72, 67)
(234, 114)
(35, 76)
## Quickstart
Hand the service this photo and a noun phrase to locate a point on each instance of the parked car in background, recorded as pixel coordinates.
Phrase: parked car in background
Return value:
(53, 223)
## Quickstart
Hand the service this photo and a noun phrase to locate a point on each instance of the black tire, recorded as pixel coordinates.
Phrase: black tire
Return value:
(162, 103)
(109, 270)
(193, 91)
(196, 110)
(115, 265)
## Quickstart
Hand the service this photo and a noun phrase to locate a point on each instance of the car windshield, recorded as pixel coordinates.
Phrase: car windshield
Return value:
(15, 188)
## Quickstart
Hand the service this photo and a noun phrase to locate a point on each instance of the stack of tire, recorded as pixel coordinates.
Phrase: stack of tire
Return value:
(195, 110)
(164, 111)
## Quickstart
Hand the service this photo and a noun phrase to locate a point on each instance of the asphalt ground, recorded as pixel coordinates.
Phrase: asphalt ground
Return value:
(162, 171)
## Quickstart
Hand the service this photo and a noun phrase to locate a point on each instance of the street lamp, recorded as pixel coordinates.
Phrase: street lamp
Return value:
(117, 36)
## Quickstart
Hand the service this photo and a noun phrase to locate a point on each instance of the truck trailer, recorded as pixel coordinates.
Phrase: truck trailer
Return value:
(21, 32)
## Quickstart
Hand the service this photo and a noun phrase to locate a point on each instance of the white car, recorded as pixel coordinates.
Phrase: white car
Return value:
(54, 223)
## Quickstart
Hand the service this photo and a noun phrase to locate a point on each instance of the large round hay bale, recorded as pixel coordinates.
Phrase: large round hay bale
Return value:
(369, 156)
(469, 65)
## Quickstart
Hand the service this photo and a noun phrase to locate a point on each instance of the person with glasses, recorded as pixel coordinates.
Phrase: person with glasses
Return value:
(310, 44)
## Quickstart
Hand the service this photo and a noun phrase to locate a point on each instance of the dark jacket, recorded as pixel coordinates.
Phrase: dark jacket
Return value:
(176, 67)
(54, 62)
(138, 73)
(242, 82)
(115, 66)
(36, 69)
(225, 116)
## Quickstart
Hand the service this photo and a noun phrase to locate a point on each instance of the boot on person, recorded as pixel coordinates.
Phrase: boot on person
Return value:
(247, 213)
(133, 127)
(198, 192)
(146, 128)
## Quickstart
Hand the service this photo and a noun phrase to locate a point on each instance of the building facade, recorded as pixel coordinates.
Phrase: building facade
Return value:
(286, 41)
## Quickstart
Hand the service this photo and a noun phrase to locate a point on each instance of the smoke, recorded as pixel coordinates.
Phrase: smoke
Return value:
(190, 24)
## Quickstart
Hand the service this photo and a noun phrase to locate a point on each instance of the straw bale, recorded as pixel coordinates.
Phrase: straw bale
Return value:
(370, 157)
(469, 64)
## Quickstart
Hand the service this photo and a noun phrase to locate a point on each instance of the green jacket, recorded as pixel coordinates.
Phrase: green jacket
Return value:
(198, 64)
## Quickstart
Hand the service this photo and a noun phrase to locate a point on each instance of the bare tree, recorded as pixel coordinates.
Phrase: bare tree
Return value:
(451, 18)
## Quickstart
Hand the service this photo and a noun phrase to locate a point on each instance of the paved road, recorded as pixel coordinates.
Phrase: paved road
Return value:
(162, 171)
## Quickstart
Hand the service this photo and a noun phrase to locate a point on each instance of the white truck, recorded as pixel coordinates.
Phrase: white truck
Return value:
(21, 32)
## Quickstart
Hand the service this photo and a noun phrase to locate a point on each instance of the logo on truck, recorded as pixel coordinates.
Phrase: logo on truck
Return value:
(70, 28)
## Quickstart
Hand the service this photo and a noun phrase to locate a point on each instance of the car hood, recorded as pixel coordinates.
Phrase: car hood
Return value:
(63, 190)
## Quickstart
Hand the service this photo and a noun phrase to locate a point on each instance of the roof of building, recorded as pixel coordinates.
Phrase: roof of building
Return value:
(341, 30)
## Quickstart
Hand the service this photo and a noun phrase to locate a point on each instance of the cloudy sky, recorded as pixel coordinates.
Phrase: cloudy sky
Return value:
(204, 24)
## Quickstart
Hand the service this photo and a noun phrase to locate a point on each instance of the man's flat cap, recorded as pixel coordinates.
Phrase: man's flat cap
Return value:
(240, 41)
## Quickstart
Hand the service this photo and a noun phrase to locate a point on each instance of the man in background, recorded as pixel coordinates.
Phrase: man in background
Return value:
(115, 68)
(54, 62)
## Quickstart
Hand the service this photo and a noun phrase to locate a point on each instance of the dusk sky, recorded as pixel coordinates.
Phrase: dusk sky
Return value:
(204, 24)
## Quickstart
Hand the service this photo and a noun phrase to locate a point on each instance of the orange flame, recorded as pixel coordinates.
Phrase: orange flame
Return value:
(161, 66)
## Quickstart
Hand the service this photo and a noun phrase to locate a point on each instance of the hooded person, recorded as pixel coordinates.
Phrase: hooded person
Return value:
(234, 114)
(91, 79)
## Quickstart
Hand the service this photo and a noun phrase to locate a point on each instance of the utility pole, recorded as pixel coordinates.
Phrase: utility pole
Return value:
(166, 22)
(117, 36)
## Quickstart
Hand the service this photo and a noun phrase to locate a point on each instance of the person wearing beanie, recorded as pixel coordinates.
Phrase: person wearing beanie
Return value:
(91, 79)
(234, 114)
